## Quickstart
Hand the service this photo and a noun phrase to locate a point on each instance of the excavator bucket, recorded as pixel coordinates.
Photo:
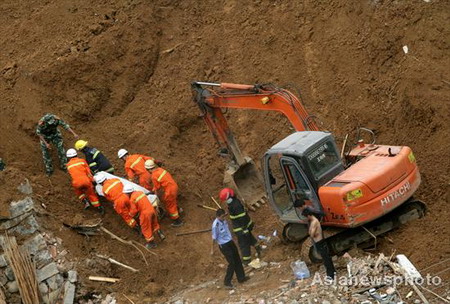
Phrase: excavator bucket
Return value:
(247, 182)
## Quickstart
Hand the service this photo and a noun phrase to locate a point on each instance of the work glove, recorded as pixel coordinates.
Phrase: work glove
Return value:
(159, 163)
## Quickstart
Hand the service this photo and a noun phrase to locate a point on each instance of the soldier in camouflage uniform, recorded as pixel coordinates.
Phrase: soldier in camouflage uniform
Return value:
(48, 132)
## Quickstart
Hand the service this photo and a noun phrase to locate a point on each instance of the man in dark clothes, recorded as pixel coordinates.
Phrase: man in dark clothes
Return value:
(222, 236)
(320, 244)
(95, 158)
(242, 224)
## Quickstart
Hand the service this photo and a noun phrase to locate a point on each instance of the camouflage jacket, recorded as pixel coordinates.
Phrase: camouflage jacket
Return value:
(48, 126)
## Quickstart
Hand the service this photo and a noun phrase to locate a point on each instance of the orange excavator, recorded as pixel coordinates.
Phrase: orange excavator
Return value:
(361, 194)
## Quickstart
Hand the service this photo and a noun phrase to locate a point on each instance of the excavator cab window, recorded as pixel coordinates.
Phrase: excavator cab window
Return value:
(322, 159)
(299, 188)
(278, 185)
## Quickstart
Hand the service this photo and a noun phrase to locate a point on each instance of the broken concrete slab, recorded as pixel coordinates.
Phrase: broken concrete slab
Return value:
(14, 222)
(42, 258)
(18, 208)
(55, 281)
(35, 244)
(46, 272)
(28, 226)
(69, 293)
(72, 276)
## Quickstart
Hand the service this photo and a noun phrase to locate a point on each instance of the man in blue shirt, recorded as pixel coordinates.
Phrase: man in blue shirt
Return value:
(222, 236)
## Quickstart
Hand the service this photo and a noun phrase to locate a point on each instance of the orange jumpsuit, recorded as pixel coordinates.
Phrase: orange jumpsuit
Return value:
(134, 166)
(112, 189)
(82, 180)
(140, 204)
(122, 206)
(162, 179)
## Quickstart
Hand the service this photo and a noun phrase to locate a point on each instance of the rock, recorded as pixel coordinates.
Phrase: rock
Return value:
(69, 293)
(12, 287)
(64, 266)
(231, 291)
(52, 297)
(416, 301)
(55, 281)
(179, 302)
(20, 207)
(326, 302)
(72, 276)
(3, 279)
(35, 244)
(43, 288)
(10, 274)
(53, 251)
(25, 187)
(46, 272)
(3, 262)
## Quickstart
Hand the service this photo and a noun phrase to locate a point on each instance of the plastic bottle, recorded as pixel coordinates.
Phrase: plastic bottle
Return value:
(300, 269)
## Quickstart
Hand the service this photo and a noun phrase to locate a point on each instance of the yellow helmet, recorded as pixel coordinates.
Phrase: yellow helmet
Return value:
(80, 144)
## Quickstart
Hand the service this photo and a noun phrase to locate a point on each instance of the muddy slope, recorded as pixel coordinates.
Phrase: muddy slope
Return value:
(119, 73)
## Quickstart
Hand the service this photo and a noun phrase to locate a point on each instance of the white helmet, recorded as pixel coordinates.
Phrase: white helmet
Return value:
(122, 153)
(71, 153)
(99, 177)
(149, 164)
(127, 188)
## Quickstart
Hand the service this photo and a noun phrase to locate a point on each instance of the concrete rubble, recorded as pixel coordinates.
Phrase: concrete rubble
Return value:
(55, 282)
(359, 280)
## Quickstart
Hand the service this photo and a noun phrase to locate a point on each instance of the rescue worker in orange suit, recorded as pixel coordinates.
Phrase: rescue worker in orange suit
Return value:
(163, 181)
(82, 180)
(134, 167)
(142, 208)
(113, 191)
(242, 225)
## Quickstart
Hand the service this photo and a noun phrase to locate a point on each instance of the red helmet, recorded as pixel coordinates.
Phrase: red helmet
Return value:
(226, 193)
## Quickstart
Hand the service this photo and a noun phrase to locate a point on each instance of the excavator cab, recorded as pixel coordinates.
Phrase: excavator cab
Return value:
(295, 168)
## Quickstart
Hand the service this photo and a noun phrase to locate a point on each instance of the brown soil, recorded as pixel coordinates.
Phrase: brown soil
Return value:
(107, 69)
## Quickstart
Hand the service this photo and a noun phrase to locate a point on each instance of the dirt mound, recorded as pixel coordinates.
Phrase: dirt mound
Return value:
(119, 73)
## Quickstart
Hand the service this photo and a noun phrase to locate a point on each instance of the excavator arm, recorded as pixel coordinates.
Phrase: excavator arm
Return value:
(212, 98)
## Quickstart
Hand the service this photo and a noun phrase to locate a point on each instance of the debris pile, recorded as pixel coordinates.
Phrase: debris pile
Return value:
(56, 279)
(367, 279)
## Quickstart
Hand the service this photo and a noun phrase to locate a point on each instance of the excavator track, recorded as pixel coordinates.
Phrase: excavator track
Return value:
(340, 240)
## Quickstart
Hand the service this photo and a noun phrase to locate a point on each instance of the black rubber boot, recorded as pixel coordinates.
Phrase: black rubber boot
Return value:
(101, 210)
(151, 245)
(177, 223)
